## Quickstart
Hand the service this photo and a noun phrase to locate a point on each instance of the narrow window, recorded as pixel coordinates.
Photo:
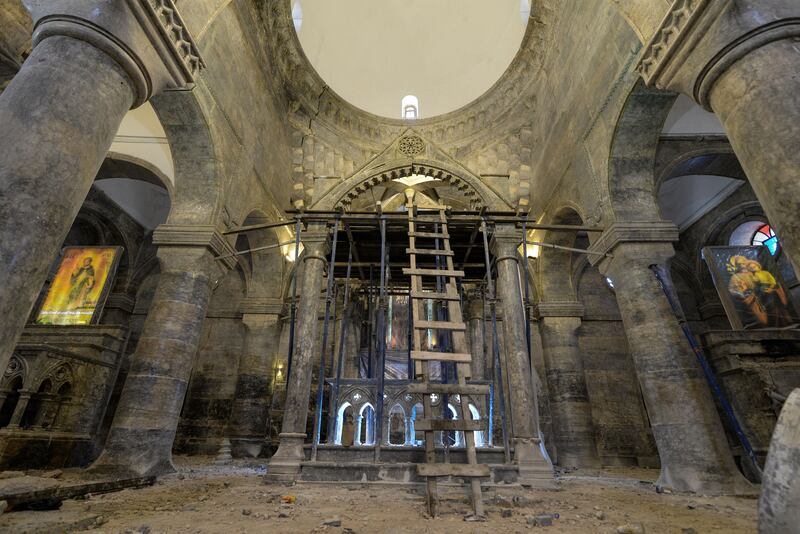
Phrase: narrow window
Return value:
(297, 16)
(410, 107)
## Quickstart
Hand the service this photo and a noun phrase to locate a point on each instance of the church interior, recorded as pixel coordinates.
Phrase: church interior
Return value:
(380, 266)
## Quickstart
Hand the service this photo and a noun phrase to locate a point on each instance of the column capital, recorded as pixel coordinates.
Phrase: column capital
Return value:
(699, 40)
(316, 242)
(559, 309)
(632, 232)
(147, 38)
(261, 306)
(506, 239)
(474, 304)
(201, 237)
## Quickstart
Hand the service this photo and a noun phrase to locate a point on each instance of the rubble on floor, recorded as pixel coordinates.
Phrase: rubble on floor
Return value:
(213, 499)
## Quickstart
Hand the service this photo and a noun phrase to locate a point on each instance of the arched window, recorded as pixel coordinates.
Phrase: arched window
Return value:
(756, 233)
(297, 15)
(410, 107)
(525, 10)
(765, 236)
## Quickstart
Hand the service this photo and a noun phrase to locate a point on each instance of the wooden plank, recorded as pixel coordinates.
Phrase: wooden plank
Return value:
(448, 425)
(453, 470)
(434, 296)
(430, 251)
(428, 235)
(432, 272)
(441, 356)
(440, 325)
(448, 389)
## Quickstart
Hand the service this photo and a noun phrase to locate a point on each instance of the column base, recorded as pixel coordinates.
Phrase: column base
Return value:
(705, 483)
(247, 446)
(136, 453)
(535, 467)
(284, 466)
(566, 459)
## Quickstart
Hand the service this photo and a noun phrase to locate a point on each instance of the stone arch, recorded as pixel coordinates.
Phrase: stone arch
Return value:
(266, 268)
(198, 190)
(9, 404)
(59, 374)
(136, 169)
(555, 267)
(701, 160)
(641, 15)
(631, 184)
(17, 368)
(366, 422)
(396, 409)
(337, 437)
(473, 188)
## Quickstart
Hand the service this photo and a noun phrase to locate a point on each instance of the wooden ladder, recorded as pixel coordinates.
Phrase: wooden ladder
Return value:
(423, 363)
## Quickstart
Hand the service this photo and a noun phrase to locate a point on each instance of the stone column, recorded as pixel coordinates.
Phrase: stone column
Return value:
(692, 446)
(739, 59)
(474, 316)
(534, 464)
(91, 62)
(19, 409)
(569, 398)
(248, 424)
(141, 435)
(285, 464)
(778, 512)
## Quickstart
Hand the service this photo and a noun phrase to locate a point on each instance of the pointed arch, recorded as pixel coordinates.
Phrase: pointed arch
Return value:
(475, 191)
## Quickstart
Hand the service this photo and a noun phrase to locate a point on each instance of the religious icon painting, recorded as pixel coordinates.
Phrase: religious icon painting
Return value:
(81, 285)
(751, 289)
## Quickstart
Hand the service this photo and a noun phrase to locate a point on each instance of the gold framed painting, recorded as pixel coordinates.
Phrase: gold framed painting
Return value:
(750, 287)
(80, 287)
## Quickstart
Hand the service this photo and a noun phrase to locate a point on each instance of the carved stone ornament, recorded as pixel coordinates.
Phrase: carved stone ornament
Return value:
(14, 367)
(147, 38)
(411, 145)
(671, 33)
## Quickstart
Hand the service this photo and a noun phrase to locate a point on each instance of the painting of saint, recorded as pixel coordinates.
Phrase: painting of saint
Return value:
(750, 287)
(80, 286)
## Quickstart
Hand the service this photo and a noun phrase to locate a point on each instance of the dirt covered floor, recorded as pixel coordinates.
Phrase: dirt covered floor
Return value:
(207, 499)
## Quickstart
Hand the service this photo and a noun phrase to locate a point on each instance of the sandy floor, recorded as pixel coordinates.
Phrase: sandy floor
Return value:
(202, 499)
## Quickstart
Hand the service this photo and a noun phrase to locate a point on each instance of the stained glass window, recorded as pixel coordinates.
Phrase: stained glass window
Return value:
(765, 236)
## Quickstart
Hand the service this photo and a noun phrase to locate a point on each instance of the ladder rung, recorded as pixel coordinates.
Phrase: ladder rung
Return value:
(448, 389)
(424, 425)
(432, 235)
(432, 272)
(434, 296)
(441, 356)
(439, 325)
(430, 251)
(455, 470)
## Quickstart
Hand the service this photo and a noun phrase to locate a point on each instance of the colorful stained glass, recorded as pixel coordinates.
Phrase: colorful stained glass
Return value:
(765, 236)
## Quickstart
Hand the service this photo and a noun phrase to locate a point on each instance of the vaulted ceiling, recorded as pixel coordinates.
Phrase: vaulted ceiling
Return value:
(445, 52)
